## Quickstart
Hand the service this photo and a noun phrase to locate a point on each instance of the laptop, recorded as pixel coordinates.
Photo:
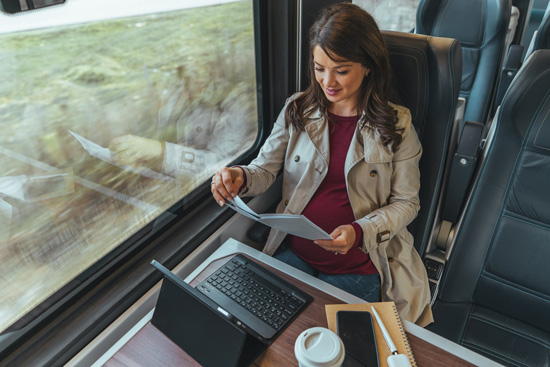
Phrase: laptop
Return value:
(232, 316)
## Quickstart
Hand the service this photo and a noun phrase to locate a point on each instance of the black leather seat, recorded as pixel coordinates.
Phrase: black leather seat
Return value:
(481, 27)
(426, 77)
(542, 37)
(494, 297)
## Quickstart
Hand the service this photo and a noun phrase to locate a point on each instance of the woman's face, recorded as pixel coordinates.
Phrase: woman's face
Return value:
(340, 82)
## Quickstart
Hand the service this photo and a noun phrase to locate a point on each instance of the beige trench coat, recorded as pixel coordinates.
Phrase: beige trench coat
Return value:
(383, 191)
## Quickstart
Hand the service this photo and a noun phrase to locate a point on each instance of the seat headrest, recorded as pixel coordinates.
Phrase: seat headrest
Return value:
(465, 20)
(527, 102)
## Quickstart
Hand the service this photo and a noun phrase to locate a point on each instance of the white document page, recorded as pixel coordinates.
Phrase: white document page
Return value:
(238, 203)
(293, 224)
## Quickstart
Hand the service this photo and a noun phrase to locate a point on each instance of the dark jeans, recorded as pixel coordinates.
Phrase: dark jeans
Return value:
(366, 287)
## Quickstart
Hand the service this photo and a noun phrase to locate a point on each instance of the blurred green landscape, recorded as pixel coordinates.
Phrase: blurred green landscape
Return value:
(141, 76)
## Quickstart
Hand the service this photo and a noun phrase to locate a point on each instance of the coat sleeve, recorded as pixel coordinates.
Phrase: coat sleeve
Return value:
(382, 224)
(263, 170)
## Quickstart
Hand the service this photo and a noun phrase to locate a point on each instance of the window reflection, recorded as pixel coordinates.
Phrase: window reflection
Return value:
(83, 112)
(392, 15)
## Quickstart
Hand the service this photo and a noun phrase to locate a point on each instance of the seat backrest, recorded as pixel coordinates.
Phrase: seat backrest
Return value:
(495, 294)
(542, 37)
(426, 77)
(481, 27)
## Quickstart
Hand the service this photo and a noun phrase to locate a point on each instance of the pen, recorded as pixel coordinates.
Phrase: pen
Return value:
(387, 337)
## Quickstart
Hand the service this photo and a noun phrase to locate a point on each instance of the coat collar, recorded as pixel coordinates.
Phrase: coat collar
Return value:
(318, 132)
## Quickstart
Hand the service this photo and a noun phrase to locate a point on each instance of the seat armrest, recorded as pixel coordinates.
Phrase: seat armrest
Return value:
(258, 233)
(509, 70)
(462, 170)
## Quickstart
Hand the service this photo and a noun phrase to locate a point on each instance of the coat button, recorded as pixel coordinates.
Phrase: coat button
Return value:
(390, 259)
(296, 158)
(373, 173)
(286, 202)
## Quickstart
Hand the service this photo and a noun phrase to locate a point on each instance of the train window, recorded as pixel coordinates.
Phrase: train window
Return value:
(392, 15)
(105, 123)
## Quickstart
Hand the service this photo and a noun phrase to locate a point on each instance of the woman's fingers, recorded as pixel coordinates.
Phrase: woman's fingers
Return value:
(228, 183)
(344, 238)
(219, 199)
(225, 184)
(218, 190)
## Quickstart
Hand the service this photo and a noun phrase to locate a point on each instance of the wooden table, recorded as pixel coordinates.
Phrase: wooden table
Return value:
(150, 347)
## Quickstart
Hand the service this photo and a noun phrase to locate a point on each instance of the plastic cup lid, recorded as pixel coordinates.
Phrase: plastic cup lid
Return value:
(319, 347)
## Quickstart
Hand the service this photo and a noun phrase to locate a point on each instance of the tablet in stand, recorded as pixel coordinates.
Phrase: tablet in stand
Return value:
(192, 321)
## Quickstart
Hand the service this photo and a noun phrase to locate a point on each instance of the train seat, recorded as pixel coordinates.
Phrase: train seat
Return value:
(481, 27)
(426, 76)
(494, 297)
(541, 38)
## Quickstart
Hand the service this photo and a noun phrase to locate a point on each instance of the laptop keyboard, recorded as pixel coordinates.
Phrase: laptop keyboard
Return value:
(262, 293)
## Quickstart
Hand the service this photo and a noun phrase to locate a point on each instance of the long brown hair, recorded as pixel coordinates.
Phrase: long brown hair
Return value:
(344, 31)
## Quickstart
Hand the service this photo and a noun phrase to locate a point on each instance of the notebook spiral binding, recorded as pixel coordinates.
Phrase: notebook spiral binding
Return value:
(404, 336)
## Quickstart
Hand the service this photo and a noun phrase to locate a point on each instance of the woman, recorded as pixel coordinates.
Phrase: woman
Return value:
(350, 160)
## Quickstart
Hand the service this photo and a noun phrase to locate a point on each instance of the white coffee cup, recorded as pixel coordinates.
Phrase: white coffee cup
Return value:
(319, 347)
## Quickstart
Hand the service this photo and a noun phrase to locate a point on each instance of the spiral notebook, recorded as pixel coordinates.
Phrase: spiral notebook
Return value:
(391, 319)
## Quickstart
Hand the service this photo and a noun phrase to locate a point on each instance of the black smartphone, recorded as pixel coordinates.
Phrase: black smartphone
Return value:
(356, 330)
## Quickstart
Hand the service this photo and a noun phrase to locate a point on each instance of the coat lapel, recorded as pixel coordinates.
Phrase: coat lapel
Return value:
(366, 146)
(317, 131)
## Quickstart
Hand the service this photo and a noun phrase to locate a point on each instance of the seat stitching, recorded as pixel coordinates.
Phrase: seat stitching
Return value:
(494, 354)
(540, 128)
(510, 284)
(467, 324)
(539, 111)
(525, 221)
(512, 331)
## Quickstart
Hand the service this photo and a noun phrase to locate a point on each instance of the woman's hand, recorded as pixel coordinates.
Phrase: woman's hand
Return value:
(134, 150)
(226, 184)
(344, 238)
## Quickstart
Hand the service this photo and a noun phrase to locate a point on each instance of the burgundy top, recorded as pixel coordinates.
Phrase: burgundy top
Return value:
(330, 207)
